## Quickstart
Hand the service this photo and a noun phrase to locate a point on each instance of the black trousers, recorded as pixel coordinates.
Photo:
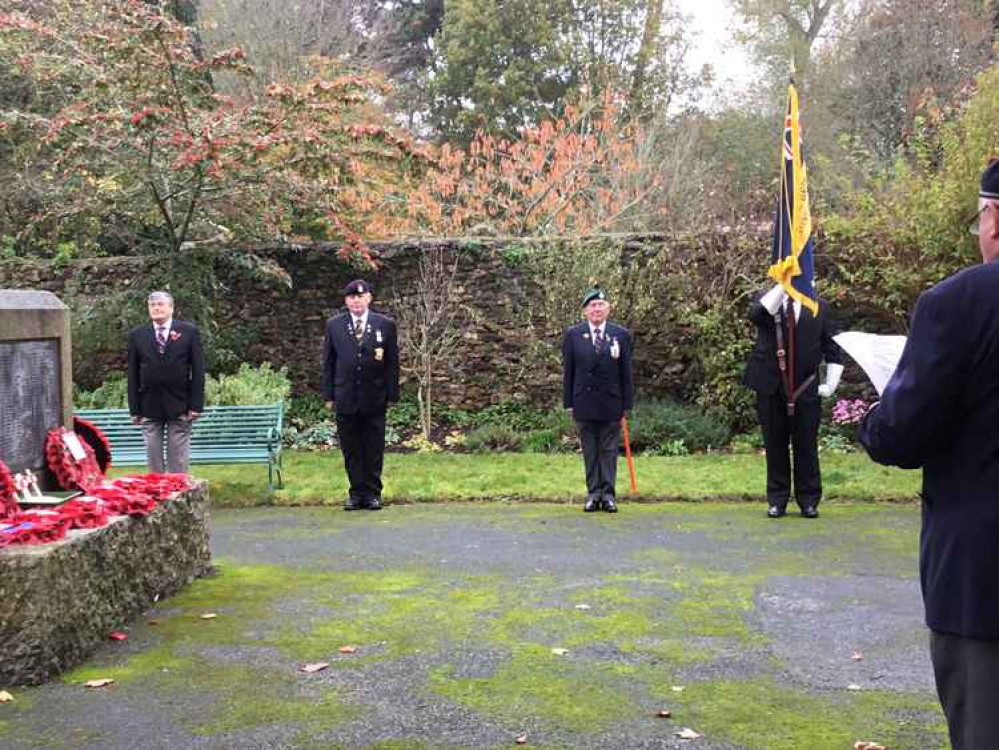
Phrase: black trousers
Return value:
(967, 675)
(362, 442)
(782, 433)
(600, 441)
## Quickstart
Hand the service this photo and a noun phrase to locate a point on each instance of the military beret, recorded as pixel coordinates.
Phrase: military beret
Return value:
(357, 286)
(990, 181)
(592, 295)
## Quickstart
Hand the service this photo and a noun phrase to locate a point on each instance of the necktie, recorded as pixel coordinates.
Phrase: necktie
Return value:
(358, 328)
(598, 339)
(161, 339)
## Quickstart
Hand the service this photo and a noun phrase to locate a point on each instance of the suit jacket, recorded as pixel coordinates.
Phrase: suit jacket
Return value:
(813, 343)
(597, 387)
(361, 378)
(165, 386)
(940, 411)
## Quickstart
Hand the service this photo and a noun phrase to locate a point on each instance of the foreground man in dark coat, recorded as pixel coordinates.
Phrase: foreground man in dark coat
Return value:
(360, 379)
(166, 384)
(597, 387)
(813, 343)
(940, 411)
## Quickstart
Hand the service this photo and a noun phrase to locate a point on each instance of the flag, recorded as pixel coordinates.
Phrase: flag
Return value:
(791, 259)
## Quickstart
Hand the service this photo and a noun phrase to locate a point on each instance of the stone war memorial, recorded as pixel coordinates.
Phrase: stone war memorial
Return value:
(80, 554)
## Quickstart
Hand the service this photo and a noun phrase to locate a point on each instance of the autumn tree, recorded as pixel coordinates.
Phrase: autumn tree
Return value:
(121, 140)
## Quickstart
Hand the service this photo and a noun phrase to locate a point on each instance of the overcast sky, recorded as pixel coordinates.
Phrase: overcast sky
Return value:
(714, 23)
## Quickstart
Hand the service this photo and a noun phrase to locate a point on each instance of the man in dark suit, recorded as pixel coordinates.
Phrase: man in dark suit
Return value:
(940, 411)
(166, 384)
(791, 418)
(597, 387)
(360, 379)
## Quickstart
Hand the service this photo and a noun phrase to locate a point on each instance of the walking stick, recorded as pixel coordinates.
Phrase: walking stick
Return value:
(627, 455)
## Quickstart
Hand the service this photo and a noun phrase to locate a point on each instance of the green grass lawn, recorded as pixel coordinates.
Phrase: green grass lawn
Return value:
(319, 478)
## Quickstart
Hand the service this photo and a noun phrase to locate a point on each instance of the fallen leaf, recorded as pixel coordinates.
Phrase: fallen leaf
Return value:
(521, 739)
(5, 697)
(99, 683)
(209, 616)
(678, 688)
(857, 656)
(854, 686)
(319, 666)
(665, 714)
(868, 746)
(118, 636)
(348, 649)
(154, 622)
(687, 734)
(582, 606)
(560, 651)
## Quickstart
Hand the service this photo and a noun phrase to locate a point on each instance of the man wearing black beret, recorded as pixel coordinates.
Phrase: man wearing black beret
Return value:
(360, 379)
(597, 387)
(939, 412)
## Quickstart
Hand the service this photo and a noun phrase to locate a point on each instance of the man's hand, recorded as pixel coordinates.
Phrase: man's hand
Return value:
(329, 405)
(192, 415)
(833, 373)
(136, 420)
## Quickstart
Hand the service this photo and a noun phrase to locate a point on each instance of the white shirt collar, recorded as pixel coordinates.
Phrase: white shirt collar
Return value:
(359, 321)
(593, 329)
(165, 326)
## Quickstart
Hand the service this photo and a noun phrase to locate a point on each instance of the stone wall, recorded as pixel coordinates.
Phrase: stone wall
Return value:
(60, 601)
(267, 322)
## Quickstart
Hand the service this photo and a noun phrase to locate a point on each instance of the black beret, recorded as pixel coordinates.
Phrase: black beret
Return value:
(990, 181)
(357, 286)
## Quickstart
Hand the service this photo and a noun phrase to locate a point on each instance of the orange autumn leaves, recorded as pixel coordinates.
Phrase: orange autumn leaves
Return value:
(580, 174)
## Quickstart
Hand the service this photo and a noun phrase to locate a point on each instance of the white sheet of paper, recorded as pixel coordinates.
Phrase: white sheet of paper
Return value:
(878, 356)
(75, 446)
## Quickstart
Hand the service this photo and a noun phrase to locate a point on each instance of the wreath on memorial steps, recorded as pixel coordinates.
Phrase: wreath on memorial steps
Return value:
(71, 473)
(8, 498)
(93, 436)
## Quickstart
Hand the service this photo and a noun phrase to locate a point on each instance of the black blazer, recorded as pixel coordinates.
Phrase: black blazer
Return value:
(813, 342)
(360, 378)
(165, 386)
(940, 411)
(597, 387)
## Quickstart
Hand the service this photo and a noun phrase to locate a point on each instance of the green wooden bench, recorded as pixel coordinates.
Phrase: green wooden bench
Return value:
(222, 435)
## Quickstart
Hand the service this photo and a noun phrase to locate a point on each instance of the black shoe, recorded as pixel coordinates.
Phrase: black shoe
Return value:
(609, 505)
(592, 504)
(353, 503)
(810, 511)
(776, 511)
(373, 504)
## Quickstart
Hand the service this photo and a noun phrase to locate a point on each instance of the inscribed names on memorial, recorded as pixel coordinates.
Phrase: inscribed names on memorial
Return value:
(30, 401)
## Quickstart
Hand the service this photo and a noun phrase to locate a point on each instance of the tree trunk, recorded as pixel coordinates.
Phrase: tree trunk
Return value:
(650, 40)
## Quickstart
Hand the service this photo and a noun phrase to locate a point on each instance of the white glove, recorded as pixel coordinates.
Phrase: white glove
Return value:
(773, 299)
(833, 374)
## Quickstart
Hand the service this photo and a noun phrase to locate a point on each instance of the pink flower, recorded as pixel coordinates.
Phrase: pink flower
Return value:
(174, 335)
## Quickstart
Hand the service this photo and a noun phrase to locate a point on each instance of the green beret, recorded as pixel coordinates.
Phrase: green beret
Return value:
(592, 295)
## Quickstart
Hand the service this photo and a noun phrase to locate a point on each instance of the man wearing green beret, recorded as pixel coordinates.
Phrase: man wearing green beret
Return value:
(598, 389)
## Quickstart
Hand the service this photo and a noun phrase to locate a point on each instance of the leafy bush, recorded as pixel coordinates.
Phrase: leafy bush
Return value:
(494, 438)
(308, 410)
(656, 425)
(112, 394)
(249, 386)
(747, 442)
(317, 437)
(520, 417)
(404, 415)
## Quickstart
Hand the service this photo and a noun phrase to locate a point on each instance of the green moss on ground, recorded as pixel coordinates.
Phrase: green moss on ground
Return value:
(764, 714)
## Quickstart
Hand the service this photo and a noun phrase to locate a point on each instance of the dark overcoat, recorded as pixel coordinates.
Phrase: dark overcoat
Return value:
(597, 387)
(168, 385)
(813, 343)
(940, 412)
(361, 378)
